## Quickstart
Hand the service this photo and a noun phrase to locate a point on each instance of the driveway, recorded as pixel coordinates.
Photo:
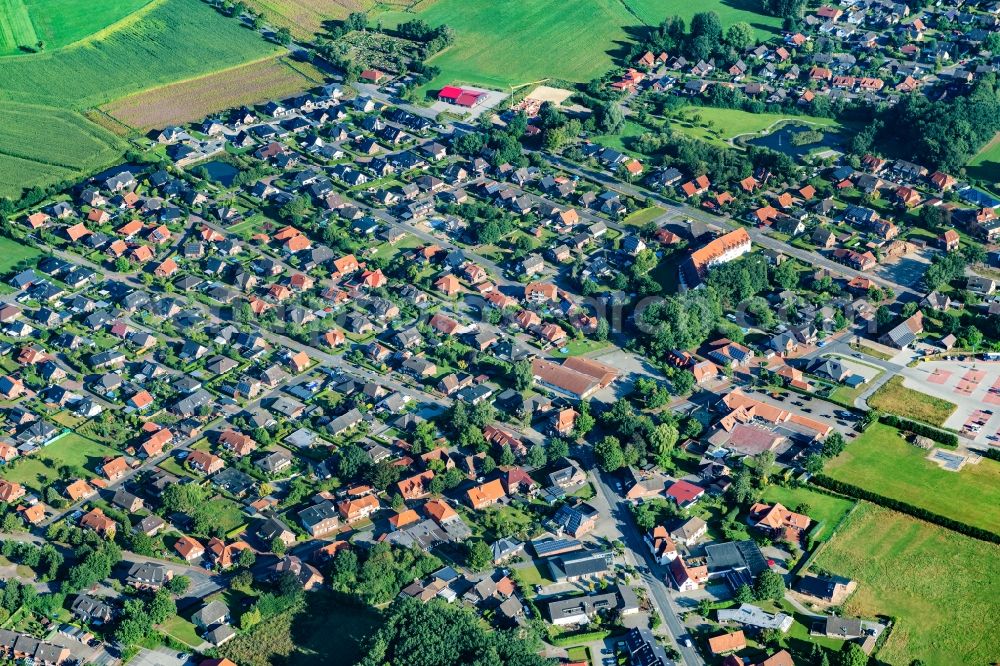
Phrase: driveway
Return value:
(161, 656)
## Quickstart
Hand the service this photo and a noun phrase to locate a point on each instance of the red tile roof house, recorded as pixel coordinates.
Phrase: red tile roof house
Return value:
(684, 493)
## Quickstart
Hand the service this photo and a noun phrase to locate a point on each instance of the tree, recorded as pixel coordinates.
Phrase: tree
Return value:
(506, 456)
(610, 456)
(770, 585)
(536, 456)
(161, 606)
(522, 375)
(851, 654)
(741, 36)
(489, 465)
(742, 491)
(813, 464)
(352, 461)
(744, 594)
(178, 584)
(283, 36)
(278, 546)
(833, 445)
(584, 420)
(478, 555)
(246, 559)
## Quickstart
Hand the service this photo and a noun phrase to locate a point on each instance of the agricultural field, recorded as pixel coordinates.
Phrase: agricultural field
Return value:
(57, 23)
(985, 165)
(895, 398)
(16, 30)
(881, 461)
(164, 42)
(305, 18)
(509, 44)
(177, 103)
(941, 586)
(41, 469)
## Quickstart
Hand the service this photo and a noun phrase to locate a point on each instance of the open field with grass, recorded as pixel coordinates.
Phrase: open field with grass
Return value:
(171, 40)
(304, 18)
(16, 29)
(730, 11)
(59, 23)
(512, 43)
(895, 398)
(13, 253)
(163, 42)
(822, 508)
(985, 165)
(642, 217)
(41, 469)
(726, 124)
(881, 461)
(942, 586)
(177, 103)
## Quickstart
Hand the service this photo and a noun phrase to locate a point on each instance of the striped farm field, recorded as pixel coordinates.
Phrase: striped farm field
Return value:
(160, 42)
(196, 98)
(16, 28)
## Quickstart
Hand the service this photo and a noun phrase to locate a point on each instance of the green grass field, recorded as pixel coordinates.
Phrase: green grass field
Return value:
(726, 124)
(880, 460)
(16, 28)
(41, 469)
(502, 44)
(823, 508)
(941, 586)
(895, 398)
(57, 23)
(163, 42)
(985, 165)
(13, 253)
(642, 217)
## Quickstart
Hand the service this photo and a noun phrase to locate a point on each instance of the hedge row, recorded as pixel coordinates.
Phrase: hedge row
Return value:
(939, 436)
(580, 638)
(904, 507)
(992, 454)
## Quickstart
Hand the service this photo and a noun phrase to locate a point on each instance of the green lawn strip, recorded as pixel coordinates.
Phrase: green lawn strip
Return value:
(940, 586)
(881, 461)
(897, 399)
(39, 470)
(824, 509)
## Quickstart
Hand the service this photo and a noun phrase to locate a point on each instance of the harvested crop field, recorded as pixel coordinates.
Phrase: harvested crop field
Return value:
(196, 98)
(305, 17)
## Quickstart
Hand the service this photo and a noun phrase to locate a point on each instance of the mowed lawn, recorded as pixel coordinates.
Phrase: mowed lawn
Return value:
(652, 12)
(881, 461)
(39, 470)
(726, 124)
(822, 508)
(941, 586)
(986, 163)
(164, 42)
(13, 253)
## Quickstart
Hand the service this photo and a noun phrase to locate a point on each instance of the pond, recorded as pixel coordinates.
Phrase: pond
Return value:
(221, 172)
(780, 140)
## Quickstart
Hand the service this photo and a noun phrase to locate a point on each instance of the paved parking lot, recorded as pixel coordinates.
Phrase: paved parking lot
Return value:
(974, 387)
(161, 657)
